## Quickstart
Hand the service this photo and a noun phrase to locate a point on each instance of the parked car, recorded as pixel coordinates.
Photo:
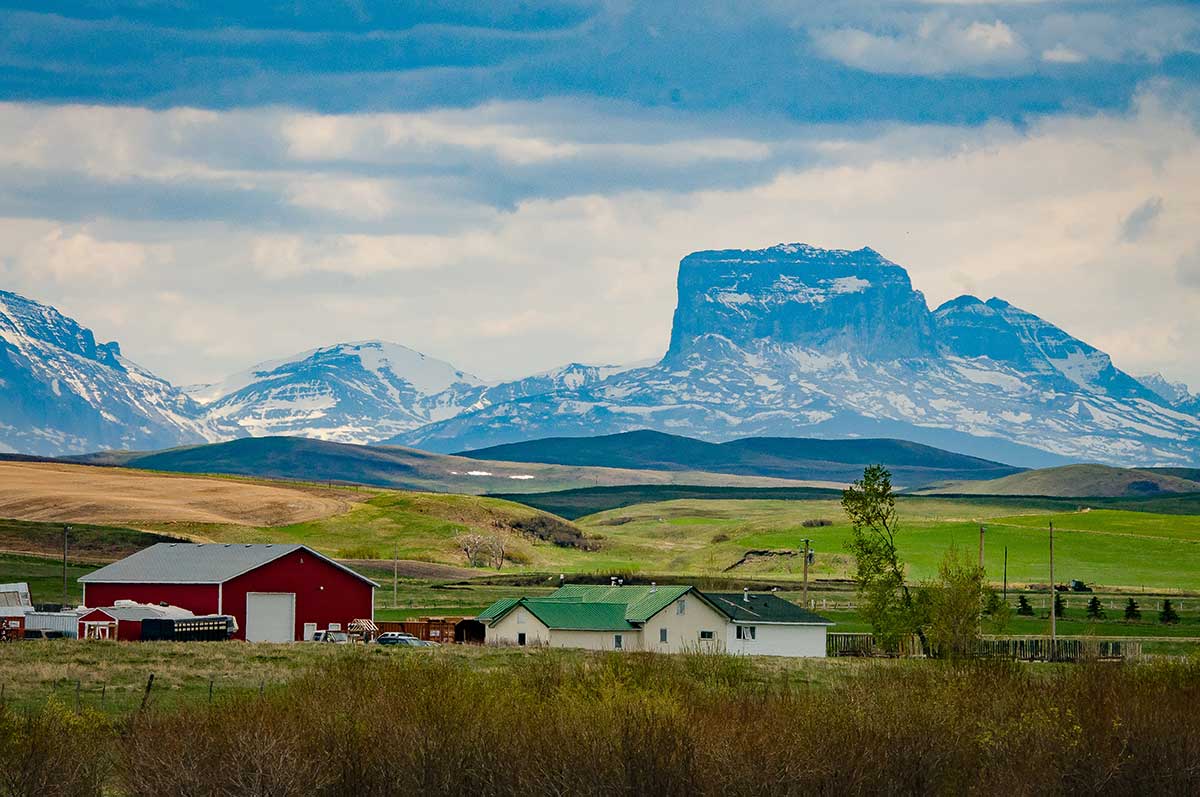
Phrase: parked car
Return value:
(335, 637)
(403, 639)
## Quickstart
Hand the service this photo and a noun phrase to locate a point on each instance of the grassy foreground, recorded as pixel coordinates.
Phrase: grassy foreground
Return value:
(561, 722)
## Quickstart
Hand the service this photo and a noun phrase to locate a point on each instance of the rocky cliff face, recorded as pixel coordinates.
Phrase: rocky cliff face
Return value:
(833, 301)
(62, 392)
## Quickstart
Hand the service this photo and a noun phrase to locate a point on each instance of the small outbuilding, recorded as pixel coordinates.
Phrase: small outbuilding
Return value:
(123, 621)
(276, 593)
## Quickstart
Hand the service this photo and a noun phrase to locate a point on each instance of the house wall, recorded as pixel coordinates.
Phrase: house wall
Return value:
(778, 639)
(504, 631)
(683, 630)
(596, 640)
(199, 599)
(324, 593)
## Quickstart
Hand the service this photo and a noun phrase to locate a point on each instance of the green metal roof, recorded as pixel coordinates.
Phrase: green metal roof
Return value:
(641, 603)
(582, 607)
(762, 607)
(498, 609)
(578, 616)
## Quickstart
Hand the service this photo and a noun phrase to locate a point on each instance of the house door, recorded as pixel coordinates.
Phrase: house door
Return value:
(270, 616)
(521, 638)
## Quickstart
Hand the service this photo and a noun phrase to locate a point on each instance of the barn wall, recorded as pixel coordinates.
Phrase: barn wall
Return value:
(197, 598)
(324, 593)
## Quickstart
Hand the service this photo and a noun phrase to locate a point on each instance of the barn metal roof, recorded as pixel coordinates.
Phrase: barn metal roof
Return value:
(197, 563)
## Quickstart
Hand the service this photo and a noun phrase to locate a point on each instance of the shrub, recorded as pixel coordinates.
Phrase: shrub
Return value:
(54, 752)
(721, 537)
(1168, 614)
(817, 523)
(548, 722)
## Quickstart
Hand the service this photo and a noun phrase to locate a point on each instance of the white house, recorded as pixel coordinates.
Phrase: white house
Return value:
(666, 619)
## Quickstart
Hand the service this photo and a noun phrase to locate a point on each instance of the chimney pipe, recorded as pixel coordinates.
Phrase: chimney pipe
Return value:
(746, 594)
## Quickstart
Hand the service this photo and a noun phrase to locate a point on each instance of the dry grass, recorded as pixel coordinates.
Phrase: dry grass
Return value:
(487, 722)
(83, 494)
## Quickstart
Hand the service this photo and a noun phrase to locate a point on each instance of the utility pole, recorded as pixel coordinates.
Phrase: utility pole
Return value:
(395, 573)
(1005, 573)
(806, 542)
(1053, 598)
(66, 531)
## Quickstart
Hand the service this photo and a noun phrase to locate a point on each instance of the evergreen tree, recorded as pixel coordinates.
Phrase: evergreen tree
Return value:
(1168, 613)
(1023, 607)
(1132, 612)
(1095, 609)
(1060, 606)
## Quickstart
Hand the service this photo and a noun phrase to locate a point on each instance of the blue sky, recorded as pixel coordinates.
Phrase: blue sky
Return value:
(509, 185)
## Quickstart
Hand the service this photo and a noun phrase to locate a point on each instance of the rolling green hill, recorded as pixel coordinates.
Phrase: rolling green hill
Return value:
(840, 461)
(1076, 481)
(306, 459)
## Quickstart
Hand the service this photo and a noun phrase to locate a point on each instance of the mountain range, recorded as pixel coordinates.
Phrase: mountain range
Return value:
(787, 341)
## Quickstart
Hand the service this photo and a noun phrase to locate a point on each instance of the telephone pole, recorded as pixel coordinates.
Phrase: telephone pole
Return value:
(806, 542)
(1053, 598)
(981, 531)
(395, 573)
(66, 531)
(1005, 573)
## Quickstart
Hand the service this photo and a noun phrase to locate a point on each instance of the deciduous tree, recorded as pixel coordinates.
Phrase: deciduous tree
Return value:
(888, 603)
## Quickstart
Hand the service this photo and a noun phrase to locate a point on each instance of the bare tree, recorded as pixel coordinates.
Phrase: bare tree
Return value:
(497, 547)
(473, 547)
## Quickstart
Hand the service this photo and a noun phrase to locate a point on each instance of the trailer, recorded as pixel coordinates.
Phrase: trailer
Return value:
(210, 628)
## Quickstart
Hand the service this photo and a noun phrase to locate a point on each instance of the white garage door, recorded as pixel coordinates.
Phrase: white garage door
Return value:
(270, 616)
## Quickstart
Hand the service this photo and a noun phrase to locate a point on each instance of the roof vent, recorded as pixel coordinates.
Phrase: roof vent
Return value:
(621, 582)
(746, 594)
(228, 545)
(653, 587)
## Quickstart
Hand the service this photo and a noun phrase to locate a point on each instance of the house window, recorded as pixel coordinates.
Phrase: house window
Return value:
(618, 642)
(521, 638)
(681, 607)
(706, 635)
(745, 632)
(521, 617)
(662, 635)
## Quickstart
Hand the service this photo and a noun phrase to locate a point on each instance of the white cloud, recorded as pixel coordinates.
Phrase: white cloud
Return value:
(1061, 54)
(1034, 214)
(939, 45)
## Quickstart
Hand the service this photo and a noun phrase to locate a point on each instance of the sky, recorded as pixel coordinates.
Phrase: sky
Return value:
(510, 186)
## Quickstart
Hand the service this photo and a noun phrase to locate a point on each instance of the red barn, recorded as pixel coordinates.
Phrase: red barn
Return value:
(277, 593)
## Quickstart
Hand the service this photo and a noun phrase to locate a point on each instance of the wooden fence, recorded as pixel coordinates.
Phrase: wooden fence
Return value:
(1021, 649)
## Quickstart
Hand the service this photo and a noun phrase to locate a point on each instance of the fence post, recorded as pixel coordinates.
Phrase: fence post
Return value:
(210, 689)
(103, 689)
(77, 687)
(146, 694)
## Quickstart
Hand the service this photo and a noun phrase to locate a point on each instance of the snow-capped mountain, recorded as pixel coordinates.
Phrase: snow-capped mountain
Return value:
(787, 341)
(795, 340)
(349, 392)
(1176, 394)
(62, 392)
(365, 392)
